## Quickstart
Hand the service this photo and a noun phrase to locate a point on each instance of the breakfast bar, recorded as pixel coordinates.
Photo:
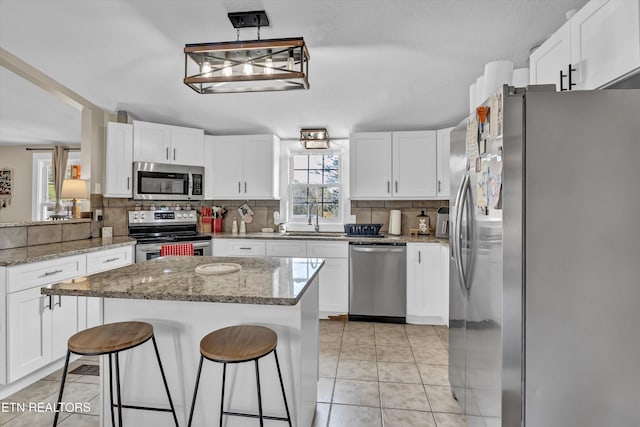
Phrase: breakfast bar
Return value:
(183, 306)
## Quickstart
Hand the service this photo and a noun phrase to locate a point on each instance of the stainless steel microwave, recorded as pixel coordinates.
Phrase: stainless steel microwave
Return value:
(158, 181)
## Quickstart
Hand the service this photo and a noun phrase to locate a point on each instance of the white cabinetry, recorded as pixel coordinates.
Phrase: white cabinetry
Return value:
(393, 165)
(118, 179)
(238, 247)
(160, 143)
(600, 44)
(443, 137)
(245, 167)
(427, 292)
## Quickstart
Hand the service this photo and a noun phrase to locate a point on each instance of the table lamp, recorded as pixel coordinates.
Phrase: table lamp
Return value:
(74, 189)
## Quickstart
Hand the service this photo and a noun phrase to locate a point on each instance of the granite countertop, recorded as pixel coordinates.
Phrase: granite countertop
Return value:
(32, 223)
(27, 254)
(331, 236)
(267, 281)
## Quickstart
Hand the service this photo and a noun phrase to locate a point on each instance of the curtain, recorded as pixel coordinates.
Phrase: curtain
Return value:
(58, 169)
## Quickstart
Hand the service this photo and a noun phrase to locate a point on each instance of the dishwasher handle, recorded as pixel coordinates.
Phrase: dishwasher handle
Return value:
(379, 249)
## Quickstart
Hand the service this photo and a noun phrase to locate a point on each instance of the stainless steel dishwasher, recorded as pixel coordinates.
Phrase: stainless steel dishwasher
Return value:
(378, 281)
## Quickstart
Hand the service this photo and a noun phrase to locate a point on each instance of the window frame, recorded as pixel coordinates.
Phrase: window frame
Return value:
(41, 165)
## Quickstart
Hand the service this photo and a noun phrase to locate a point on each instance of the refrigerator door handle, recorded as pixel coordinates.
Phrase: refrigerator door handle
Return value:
(458, 234)
(454, 230)
(467, 198)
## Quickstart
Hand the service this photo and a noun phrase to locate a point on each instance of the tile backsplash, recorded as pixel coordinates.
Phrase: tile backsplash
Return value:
(377, 212)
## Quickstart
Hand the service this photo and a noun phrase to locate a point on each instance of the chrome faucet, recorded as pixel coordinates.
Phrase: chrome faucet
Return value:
(316, 228)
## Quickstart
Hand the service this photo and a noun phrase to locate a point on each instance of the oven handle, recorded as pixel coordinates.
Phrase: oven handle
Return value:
(155, 247)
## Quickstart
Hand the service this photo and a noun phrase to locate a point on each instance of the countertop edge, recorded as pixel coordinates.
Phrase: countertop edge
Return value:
(337, 238)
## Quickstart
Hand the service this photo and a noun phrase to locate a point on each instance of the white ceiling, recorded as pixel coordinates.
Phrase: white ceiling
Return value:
(375, 64)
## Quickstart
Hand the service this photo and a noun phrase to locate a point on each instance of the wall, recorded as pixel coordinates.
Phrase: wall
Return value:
(22, 163)
(377, 212)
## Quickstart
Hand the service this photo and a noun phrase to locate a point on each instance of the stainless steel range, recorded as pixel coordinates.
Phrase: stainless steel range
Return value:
(152, 229)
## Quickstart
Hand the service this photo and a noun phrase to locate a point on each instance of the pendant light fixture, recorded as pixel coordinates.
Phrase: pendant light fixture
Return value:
(314, 138)
(247, 66)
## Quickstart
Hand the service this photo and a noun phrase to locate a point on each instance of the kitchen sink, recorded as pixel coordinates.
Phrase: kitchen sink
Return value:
(312, 234)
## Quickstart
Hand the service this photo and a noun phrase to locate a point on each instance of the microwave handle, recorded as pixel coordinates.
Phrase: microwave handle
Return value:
(190, 184)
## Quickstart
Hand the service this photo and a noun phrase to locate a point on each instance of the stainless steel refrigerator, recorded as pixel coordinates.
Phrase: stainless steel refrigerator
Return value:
(545, 260)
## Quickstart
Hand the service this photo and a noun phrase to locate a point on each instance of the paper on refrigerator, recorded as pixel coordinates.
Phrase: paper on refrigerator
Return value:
(472, 142)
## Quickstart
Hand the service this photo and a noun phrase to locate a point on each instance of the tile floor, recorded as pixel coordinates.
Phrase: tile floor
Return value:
(371, 374)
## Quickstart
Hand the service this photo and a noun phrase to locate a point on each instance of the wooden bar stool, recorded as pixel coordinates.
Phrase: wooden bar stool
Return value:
(237, 344)
(113, 338)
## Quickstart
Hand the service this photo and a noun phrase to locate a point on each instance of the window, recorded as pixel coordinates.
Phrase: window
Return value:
(44, 200)
(315, 178)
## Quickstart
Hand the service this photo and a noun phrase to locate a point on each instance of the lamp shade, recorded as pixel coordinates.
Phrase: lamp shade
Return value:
(74, 189)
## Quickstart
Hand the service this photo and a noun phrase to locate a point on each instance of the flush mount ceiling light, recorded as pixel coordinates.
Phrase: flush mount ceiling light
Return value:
(247, 66)
(314, 138)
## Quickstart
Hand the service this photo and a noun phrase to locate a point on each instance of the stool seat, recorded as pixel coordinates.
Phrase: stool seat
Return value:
(110, 338)
(238, 343)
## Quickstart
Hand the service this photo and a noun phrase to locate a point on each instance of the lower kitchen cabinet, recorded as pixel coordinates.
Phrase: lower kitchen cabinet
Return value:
(427, 289)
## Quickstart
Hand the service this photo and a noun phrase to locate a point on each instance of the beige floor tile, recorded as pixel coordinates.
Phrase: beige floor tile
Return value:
(421, 341)
(434, 374)
(7, 415)
(35, 419)
(331, 336)
(399, 373)
(441, 400)
(75, 420)
(404, 396)
(354, 416)
(325, 389)
(394, 354)
(328, 367)
(95, 406)
(431, 355)
(321, 417)
(329, 349)
(420, 330)
(57, 376)
(88, 379)
(363, 337)
(388, 328)
(356, 392)
(358, 326)
(449, 420)
(404, 418)
(358, 352)
(393, 339)
(331, 325)
(358, 369)
(77, 393)
(36, 392)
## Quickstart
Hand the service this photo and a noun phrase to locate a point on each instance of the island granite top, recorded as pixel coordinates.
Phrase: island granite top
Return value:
(267, 281)
(27, 254)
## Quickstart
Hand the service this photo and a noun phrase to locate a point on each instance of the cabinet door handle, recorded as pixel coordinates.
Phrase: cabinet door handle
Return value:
(42, 306)
(128, 179)
(51, 273)
(439, 186)
(570, 74)
(238, 186)
(174, 154)
(109, 260)
(166, 154)
(246, 249)
(388, 188)
(59, 303)
(419, 257)
(396, 186)
(562, 76)
(245, 186)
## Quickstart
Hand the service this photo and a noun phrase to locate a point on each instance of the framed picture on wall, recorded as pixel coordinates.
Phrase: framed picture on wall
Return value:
(6, 183)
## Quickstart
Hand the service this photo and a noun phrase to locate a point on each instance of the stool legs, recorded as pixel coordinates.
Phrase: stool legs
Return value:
(284, 395)
(64, 377)
(224, 378)
(259, 395)
(113, 417)
(118, 390)
(195, 392)
(164, 380)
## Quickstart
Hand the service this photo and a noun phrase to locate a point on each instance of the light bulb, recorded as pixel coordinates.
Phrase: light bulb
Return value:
(268, 66)
(205, 69)
(291, 63)
(247, 69)
(226, 70)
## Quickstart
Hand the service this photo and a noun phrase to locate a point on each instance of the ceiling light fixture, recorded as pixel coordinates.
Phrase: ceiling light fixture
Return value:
(247, 66)
(314, 138)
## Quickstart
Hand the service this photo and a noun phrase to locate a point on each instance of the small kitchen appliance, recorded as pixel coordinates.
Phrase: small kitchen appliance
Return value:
(442, 223)
(152, 229)
(158, 181)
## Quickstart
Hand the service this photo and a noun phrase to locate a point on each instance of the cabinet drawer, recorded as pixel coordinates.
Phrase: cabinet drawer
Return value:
(233, 247)
(109, 259)
(44, 272)
(328, 250)
(287, 249)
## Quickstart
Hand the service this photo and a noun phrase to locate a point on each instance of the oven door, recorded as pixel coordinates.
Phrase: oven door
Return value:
(145, 252)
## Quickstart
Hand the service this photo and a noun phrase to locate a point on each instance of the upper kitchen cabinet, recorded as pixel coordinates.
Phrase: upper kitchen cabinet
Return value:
(243, 166)
(118, 178)
(598, 46)
(442, 186)
(159, 143)
(393, 165)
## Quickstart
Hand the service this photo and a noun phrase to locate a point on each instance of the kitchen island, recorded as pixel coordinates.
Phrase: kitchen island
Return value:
(183, 306)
